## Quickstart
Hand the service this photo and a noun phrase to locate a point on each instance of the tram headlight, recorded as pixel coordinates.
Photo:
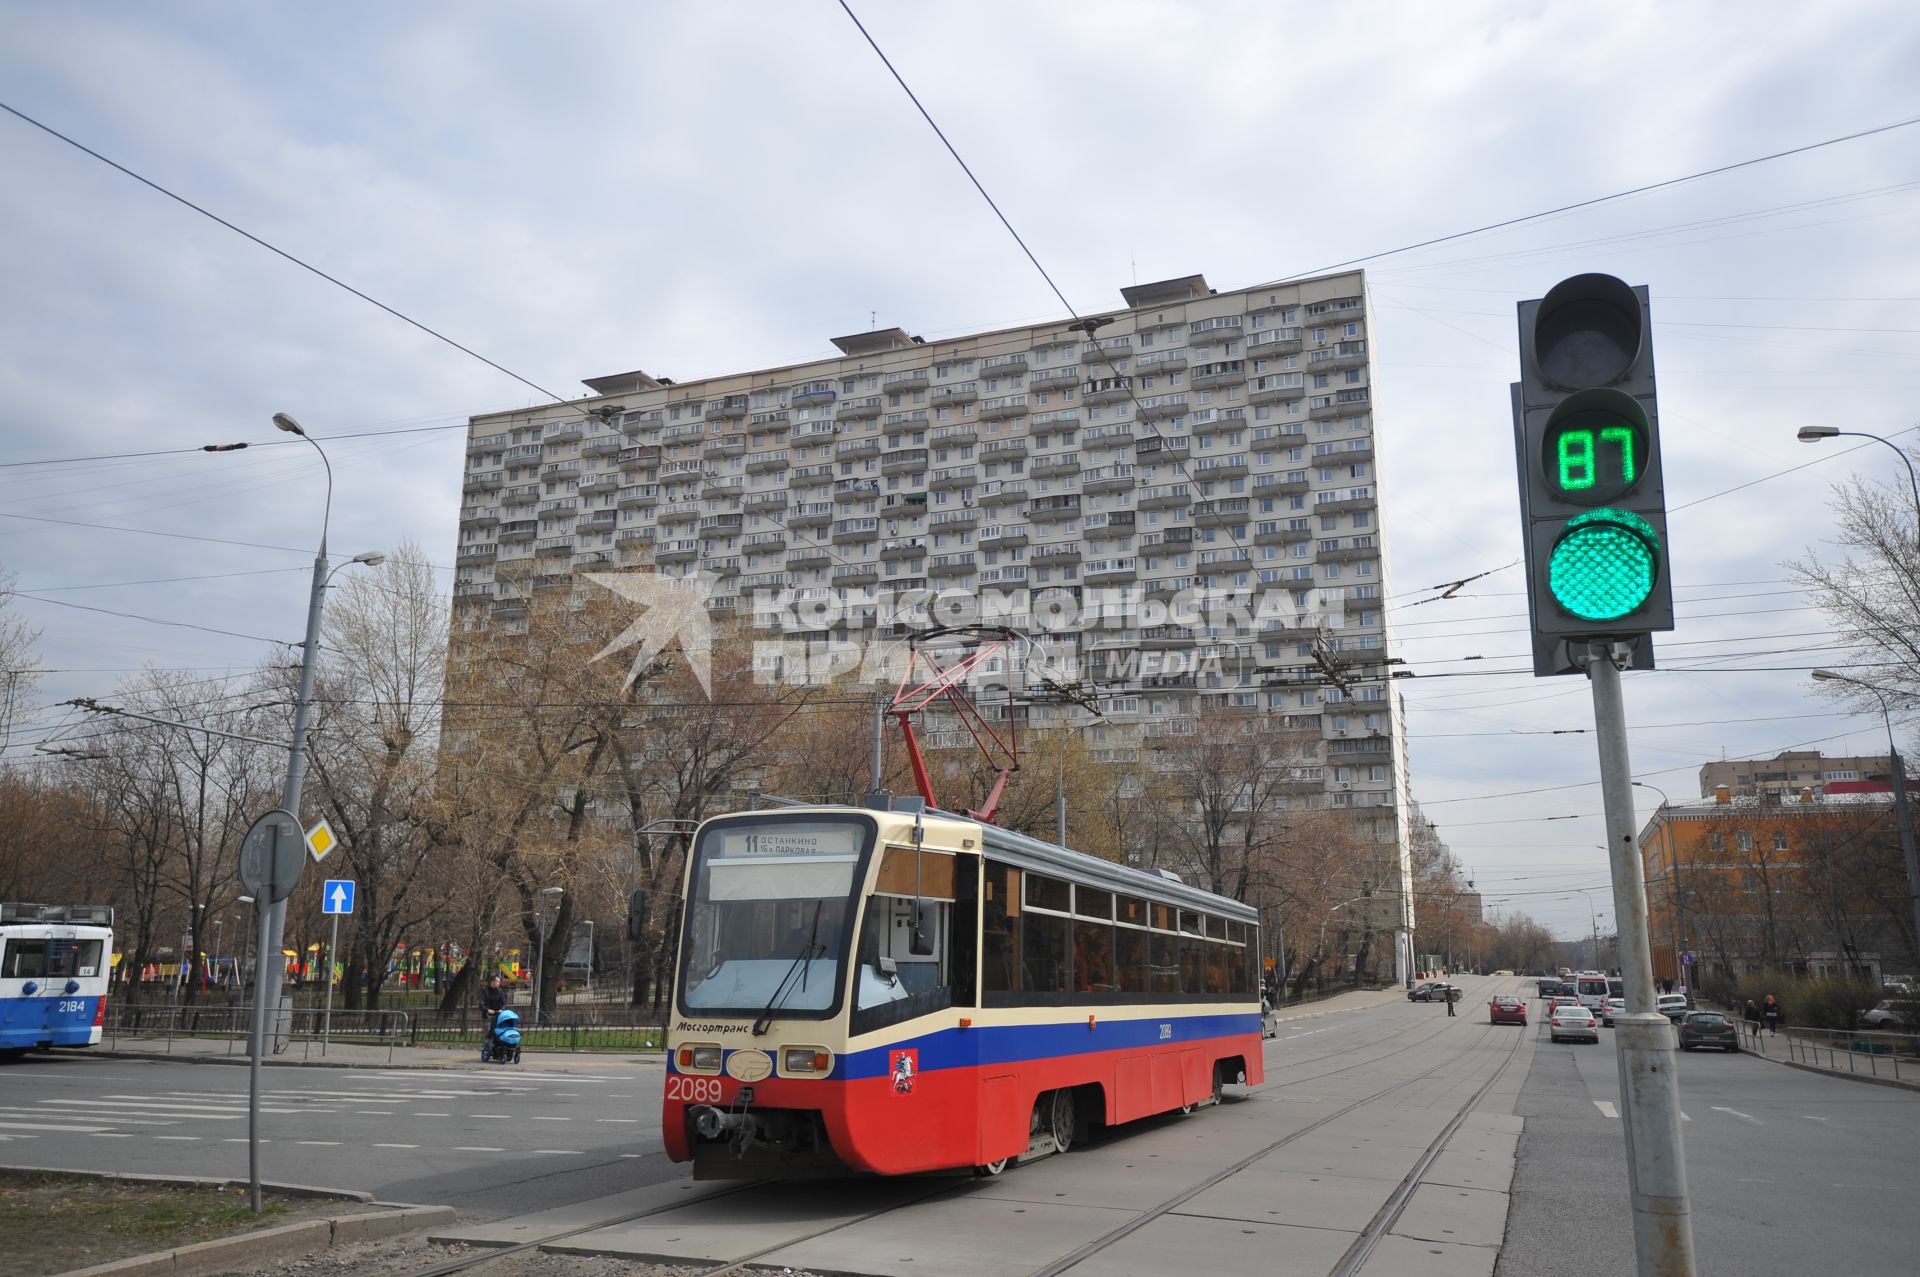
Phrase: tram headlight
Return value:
(806, 1060)
(700, 1059)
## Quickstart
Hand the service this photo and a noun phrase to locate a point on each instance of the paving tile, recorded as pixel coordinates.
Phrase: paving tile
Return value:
(1182, 1244)
(955, 1237)
(1444, 1213)
(1408, 1257)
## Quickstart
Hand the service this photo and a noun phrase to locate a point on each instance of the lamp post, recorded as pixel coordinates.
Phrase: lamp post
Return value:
(1819, 434)
(1901, 812)
(1680, 936)
(540, 960)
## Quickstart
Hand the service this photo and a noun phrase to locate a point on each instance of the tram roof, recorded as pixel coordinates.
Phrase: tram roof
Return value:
(1045, 857)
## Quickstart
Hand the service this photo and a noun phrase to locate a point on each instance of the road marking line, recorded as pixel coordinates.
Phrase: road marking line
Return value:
(396, 1146)
(549, 1119)
(561, 1152)
(1685, 1118)
(42, 1126)
(319, 1143)
(116, 1135)
(183, 1138)
(241, 1139)
(1606, 1109)
(626, 1120)
(1811, 1118)
(475, 1149)
(505, 1117)
(627, 1155)
(1745, 1117)
(373, 1112)
(433, 1115)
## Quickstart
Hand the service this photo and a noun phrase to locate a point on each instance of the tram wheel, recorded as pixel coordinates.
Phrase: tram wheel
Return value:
(989, 1169)
(1062, 1119)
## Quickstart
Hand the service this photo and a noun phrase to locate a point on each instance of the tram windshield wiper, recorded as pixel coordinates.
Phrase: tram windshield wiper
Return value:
(802, 963)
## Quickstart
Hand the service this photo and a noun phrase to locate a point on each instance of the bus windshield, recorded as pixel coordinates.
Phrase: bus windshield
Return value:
(767, 909)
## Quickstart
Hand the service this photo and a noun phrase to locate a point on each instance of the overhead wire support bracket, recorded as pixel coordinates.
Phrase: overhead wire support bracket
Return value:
(1000, 748)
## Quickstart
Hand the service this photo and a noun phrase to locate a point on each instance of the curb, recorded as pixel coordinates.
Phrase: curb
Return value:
(196, 1181)
(272, 1243)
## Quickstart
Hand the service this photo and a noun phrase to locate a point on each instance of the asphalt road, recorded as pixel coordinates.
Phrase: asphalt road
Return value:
(487, 1142)
(1789, 1172)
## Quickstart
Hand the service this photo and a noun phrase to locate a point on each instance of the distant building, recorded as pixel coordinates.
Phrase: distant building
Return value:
(1809, 883)
(1795, 770)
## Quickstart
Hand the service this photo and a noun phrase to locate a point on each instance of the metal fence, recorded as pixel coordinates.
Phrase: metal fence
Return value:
(308, 1032)
(1868, 1052)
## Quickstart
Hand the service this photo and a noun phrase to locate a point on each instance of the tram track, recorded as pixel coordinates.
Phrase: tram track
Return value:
(1376, 1229)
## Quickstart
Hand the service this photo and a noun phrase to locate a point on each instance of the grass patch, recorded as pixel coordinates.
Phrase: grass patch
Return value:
(52, 1223)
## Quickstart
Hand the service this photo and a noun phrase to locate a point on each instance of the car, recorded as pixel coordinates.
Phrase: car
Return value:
(1574, 1023)
(1559, 1000)
(1549, 986)
(1502, 971)
(1421, 992)
(1433, 991)
(1507, 1009)
(1892, 1013)
(1610, 1008)
(1671, 1005)
(1708, 1028)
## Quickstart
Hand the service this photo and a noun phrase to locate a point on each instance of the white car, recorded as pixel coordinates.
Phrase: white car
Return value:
(1573, 1023)
(1610, 1008)
(1890, 1013)
(1671, 1005)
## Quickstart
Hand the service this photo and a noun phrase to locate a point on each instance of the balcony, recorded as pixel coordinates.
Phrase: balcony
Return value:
(953, 477)
(1213, 421)
(1279, 387)
(727, 565)
(478, 552)
(1345, 503)
(1002, 492)
(809, 432)
(771, 502)
(730, 407)
(1104, 390)
(486, 443)
(1227, 510)
(1165, 362)
(1160, 407)
(509, 609)
(854, 491)
(720, 525)
(520, 530)
(554, 470)
(597, 521)
(1055, 465)
(1340, 355)
(1275, 341)
(725, 446)
(479, 517)
(808, 557)
(640, 496)
(908, 380)
(1162, 448)
(1233, 466)
(1048, 509)
(954, 436)
(1360, 749)
(1002, 408)
(485, 481)
(810, 476)
(952, 565)
(1338, 310)
(813, 514)
(718, 487)
(1219, 328)
(1110, 571)
(1276, 533)
(904, 548)
(810, 393)
(856, 574)
(565, 432)
(1279, 485)
(765, 542)
(1054, 378)
(905, 461)
(554, 546)
(633, 538)
(652, 419)
(1225, 372)
(1166, 496)
(1101, 354)
(859, 409)
(1326, 408)
(1014, 365)
(592, 560)
(767, 462)
(680, 512)
(960, 392)
(856, 531)
(1048, 555)
(763, 424)
(1107, 479)
(680, 550)
(857, 449)
(1116, 522)
(955, 520)
(1000, 536)
(680, 471)
(1120, 436)
(1348, 455)
(594, 484)
(1005, 449)
(1352, 552)
(1167, 635)
(638, 458)
(604, 446)
(915, 420)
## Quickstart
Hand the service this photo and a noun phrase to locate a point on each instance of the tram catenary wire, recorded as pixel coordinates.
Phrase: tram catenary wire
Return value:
(1376, 1228)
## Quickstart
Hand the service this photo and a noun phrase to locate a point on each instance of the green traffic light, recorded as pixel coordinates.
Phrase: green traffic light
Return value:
(1604, 565)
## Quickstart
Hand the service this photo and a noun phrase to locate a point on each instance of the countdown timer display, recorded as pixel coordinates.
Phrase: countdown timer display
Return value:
(1594, 456)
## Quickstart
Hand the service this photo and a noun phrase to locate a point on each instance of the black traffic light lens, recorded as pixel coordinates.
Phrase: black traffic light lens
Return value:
(1587, 332)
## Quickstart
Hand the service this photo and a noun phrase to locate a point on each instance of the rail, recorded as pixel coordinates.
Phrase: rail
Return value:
(1865, 1052)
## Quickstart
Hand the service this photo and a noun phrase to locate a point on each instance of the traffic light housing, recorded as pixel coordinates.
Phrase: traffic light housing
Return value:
(1586, 427)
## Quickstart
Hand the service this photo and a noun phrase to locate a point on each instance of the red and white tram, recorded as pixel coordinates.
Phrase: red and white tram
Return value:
(902, 991)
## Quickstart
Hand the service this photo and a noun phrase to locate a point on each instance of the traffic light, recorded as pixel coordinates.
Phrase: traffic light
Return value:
(1586, 428)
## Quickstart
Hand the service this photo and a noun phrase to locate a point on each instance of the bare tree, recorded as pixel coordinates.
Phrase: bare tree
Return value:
(1871, 592)
(19, 665)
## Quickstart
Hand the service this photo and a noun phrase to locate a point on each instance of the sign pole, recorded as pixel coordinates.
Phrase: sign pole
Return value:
(326, 1021)
(1649, 1085)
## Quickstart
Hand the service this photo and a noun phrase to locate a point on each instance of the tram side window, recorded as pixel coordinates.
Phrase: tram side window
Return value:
(1093, 958)
(1216, 967)
(1193, 953)
(1043, 953)
(1130, 959)
(1166, 963)
(1000, 930)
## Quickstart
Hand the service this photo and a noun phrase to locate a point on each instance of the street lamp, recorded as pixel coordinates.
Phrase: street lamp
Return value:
(1819, 434)
(1899, 792)
(1679, 936)
(540, 961)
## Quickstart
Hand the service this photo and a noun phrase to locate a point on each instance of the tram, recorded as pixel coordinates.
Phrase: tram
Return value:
(55, 961)
(900, 991)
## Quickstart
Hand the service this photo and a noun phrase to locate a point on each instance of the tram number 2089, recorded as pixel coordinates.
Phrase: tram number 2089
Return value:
(693, 1090)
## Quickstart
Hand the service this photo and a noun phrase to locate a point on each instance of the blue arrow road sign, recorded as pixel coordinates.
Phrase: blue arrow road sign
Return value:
(337, 896)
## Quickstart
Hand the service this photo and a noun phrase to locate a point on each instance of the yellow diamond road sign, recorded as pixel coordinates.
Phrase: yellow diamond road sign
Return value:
(320, 841)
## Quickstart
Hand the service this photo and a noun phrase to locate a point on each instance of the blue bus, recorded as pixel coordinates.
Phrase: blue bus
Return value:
(55, 961)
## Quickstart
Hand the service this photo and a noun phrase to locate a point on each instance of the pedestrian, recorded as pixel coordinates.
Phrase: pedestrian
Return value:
(1771, 1010)
(493, 1000)
(1752, 1017)
(1453, 996)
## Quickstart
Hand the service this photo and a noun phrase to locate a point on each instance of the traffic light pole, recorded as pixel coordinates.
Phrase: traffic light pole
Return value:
(1649, 1086)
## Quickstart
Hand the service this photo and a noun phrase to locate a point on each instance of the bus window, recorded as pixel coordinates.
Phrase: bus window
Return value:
(1130, 949)
(1000, 930)
(24, 960)
(1165, 977)
(1043, 951)
(1093, 957)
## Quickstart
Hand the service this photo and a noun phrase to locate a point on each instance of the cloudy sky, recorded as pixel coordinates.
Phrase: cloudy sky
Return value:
(576, 189)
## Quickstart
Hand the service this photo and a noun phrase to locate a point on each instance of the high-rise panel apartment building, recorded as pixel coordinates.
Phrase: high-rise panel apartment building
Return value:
(1193, 445)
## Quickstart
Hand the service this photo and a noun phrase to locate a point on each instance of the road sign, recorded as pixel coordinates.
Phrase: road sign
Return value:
(336, 896)
(1686, 959)
(320, 841)
(271, 857)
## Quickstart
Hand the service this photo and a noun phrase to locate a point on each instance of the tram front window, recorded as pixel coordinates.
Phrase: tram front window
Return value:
(767, 915)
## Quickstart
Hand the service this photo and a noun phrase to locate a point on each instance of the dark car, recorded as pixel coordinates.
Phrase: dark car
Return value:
(1549, 987)
(1423, 992)
(1507, 1009)
(1708, 1028)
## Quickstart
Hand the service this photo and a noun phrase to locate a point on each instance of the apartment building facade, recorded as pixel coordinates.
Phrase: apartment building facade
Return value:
(1113, 475)
(1795, 770)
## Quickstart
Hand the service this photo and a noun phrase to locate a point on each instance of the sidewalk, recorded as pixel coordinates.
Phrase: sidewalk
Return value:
(1848, 1055)
(353, 1055)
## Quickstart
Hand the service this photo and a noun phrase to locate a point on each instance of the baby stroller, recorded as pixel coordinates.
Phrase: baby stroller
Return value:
(502, 1043)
